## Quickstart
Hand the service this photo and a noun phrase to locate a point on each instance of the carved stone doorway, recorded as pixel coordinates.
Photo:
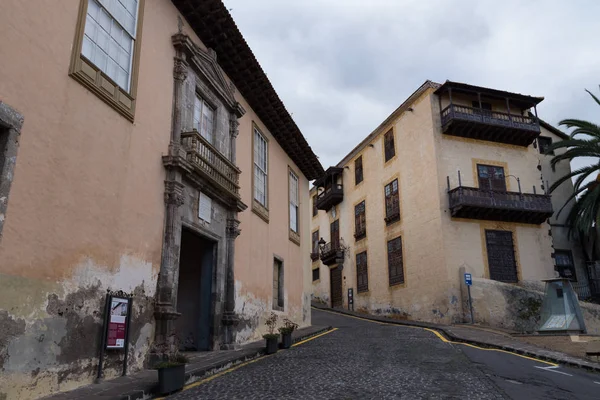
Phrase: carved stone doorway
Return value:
(194, 297)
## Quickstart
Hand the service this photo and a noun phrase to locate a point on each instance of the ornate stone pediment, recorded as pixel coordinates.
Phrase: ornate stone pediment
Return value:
(205, 64)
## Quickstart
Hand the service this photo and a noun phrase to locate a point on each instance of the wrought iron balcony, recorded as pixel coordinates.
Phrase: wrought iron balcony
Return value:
(332, 253)
(330, 196)
(475, 123)
(475, 203)
(210, 163)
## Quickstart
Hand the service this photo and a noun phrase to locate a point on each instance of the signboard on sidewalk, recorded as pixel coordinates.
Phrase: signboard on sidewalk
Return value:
(117, 323)
(468, 279)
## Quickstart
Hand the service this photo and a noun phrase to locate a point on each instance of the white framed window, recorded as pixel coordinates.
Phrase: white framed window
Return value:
(204, 119)
(109, 37)
(293, 202)
(260, 168)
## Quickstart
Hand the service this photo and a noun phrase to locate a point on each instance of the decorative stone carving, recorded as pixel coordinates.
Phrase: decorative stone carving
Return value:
(233, 229)
(180, 70)
(233, 126)
(174, 193)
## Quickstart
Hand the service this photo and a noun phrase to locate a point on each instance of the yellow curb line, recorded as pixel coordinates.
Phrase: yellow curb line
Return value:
(210, 378)
(441, 337)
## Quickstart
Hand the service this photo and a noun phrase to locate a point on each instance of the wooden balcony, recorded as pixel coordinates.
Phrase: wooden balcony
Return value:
(332, 253)
(475, 203)
(494, 126)
(210, 163)
(330, 196)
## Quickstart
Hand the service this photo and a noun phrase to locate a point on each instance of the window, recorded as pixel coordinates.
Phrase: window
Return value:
(334, 232)
(388, 144)
(358, 171)
(204, 119)
(392, 202)
(362, 274)
(105, 51)
(316, 274)
(293, 202)
(491, 178)
(204, 207)
(484, 106)
(277, 285)
(260, 168)
(543, 144)
(360, 223)
(564, 264)
(314, 255)
(501, 256)
(314, 206)
(395, 263)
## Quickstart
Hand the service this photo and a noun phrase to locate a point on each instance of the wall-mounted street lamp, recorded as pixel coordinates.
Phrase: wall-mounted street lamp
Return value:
(322, 244)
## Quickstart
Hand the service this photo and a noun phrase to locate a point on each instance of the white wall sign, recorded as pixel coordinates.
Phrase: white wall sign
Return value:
(204, 207)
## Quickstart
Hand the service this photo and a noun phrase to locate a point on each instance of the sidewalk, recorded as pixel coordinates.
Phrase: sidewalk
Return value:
(142, 385)
(482, 337)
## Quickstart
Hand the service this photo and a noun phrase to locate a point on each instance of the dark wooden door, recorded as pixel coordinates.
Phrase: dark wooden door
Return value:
(501, 256)
(335, 234)
(336, 287)
(491, 177)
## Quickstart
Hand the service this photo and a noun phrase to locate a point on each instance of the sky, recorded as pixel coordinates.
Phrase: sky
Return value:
(342, 66)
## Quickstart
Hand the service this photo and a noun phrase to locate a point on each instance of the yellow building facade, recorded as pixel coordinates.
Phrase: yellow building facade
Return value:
(450, 184)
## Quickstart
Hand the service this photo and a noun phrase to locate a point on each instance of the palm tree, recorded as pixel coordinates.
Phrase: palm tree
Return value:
(584, 141)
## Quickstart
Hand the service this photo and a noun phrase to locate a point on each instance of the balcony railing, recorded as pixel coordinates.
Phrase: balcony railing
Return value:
(332, 253)
(210, 162)
(489, 125)
(475, 203)
(330, 196)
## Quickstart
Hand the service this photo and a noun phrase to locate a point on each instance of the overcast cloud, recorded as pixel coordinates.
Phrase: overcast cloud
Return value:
(342, 66)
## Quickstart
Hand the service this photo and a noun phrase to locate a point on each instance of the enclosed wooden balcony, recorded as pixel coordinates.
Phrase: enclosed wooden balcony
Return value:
(332, 253)
(477, 112)
(330, 190)
(475, 203)
(210, 163)
(494, 126)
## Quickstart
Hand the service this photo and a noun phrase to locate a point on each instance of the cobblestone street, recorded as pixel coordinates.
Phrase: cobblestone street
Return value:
(359, 360)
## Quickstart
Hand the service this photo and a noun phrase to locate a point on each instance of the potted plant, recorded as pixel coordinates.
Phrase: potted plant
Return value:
(171, 367)
(271, 337)
(286, 333)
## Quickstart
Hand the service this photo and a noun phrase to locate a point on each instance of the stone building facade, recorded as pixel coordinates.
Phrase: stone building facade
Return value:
(449, 183)
(143, 150)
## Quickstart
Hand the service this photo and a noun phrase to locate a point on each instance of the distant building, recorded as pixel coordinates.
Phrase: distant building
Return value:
(137, 138)
(449, 183)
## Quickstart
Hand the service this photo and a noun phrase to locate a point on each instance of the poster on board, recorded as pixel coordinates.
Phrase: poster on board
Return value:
(117, 323)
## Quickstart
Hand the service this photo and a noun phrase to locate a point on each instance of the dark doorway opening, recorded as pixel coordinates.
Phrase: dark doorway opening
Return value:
(336, 287)
(196, 261)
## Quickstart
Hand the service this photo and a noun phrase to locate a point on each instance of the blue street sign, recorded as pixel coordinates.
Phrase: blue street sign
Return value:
(468, 280)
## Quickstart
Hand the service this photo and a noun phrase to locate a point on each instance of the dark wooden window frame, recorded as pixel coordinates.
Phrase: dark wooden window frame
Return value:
(395, 258)
(492, 184)
(314, 254)
(543, 143)
(497, 272)
(362, 272)
(315, 210)
(360, 220)
(89, 75)
(389, 145)
(11, 123)
(316, 274)
(392, 202)
(561, 268)
(358, 171)
(334, 234)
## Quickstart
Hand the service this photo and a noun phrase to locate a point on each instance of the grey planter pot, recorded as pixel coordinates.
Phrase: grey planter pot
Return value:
(171, 379)
(286, 340)
(272, 344)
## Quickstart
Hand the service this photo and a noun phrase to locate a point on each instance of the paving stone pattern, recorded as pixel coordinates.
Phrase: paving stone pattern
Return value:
(361, 360)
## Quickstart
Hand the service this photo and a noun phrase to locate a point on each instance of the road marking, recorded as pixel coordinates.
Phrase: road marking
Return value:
(553, 369)
(597, 383)
(218, 374)
(314, 337)
(441, 337)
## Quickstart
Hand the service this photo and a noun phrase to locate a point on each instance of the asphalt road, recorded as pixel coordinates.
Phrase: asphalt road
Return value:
(368, 360)
(360, 360)
(525, 379)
